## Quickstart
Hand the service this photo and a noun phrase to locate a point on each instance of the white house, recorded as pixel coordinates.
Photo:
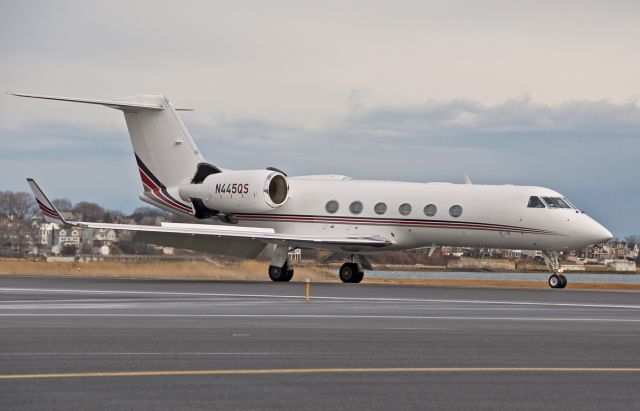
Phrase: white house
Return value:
(69, 236)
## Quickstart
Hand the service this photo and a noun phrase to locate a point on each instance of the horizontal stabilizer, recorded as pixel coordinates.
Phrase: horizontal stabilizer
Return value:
(123, 104)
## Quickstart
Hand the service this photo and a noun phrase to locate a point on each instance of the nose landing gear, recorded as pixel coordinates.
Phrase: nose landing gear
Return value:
(552, 259)
(557, 281)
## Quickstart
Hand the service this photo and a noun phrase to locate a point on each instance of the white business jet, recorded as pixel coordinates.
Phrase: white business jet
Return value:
(249, 210)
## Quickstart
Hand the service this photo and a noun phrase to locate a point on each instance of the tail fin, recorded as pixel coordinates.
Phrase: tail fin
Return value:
(51, 214)
(162, 144)
(164, 150)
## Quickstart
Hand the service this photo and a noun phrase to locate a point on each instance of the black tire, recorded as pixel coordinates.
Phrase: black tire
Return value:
(358, 277)
(349, 273)
(555, 281)
(279, 274)
(564, 280)
(289, 275)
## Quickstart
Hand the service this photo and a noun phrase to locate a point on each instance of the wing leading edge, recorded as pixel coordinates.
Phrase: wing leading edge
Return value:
(214, 236)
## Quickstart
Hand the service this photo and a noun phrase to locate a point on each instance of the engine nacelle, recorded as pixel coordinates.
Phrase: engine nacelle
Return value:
(247, 191)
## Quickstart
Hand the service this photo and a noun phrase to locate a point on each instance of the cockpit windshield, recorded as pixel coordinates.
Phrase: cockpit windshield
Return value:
(556, 202)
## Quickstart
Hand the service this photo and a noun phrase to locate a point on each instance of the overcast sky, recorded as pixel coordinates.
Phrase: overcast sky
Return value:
(539, 93)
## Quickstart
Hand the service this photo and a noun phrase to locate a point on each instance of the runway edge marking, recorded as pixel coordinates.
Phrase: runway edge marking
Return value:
(315, 371)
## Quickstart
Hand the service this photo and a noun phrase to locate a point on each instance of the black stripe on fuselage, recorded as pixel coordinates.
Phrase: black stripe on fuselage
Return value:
(161, 186)
(44, 207)
(148, 172)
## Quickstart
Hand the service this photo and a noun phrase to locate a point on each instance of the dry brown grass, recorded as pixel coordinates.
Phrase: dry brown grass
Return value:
(245, 270)
(252, 271)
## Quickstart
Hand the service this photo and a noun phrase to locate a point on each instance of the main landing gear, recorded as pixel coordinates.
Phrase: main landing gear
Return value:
(280, 274)
(351, 273)
(280, 270)
(552, 259)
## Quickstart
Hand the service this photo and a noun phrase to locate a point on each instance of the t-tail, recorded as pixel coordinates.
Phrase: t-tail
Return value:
(165, 152)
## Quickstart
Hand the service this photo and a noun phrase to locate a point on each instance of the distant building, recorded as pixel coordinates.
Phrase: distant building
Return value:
(103, 236)
(453, 251)
(69, 236)
(295, 254)
(609, 251)
(45, 234)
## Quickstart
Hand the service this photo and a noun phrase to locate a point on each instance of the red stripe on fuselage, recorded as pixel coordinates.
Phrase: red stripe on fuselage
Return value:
(419, 223)
(49, 213)
(157, 191)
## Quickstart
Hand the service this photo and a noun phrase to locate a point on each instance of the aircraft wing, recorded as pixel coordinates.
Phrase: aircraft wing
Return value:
(214, 238)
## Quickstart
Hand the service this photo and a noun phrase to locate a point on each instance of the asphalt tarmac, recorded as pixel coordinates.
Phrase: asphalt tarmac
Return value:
(71, 343)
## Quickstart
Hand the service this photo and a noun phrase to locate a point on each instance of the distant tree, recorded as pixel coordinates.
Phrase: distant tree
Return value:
(147, 213)
(112, 216)
(62, 204)
(20, 205)
(86, 248)
(89, 211)
(115, 250)
(132, 247)
(632, 240)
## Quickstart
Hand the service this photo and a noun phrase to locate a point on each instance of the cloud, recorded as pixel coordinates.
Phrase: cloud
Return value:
(293, 63)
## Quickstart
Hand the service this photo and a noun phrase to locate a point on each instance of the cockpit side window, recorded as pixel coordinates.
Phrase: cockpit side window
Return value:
(535, 202)
(556, 202)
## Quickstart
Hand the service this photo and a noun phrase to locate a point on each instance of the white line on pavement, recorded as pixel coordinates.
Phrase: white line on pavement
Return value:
(380, 299)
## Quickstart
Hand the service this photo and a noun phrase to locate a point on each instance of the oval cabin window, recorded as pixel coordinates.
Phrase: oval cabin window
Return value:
(405, 209)
(356, 207)
(430, 210)
(380, 208)
(331, 206)
(455, 211)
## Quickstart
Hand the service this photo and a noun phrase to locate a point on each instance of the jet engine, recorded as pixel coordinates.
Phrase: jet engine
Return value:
(229, 192)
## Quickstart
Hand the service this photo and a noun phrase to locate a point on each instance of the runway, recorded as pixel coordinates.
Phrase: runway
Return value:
(72, 343)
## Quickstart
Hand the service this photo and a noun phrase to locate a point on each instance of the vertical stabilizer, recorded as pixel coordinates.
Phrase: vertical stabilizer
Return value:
(165, 152)
(161, 142)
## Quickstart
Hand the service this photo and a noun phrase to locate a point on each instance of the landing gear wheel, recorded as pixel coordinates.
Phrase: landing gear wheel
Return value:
(280, 274)
(349, 273)
(555, 281)
(564, 280)
(289, 275)
(358, 277)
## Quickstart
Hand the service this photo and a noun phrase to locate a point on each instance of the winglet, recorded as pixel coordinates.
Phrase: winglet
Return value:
(51, 214)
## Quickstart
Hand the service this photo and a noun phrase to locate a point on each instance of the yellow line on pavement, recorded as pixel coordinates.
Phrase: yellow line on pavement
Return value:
(425, 370)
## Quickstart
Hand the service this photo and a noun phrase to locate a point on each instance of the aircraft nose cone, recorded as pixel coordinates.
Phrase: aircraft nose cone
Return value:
(600, 234)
